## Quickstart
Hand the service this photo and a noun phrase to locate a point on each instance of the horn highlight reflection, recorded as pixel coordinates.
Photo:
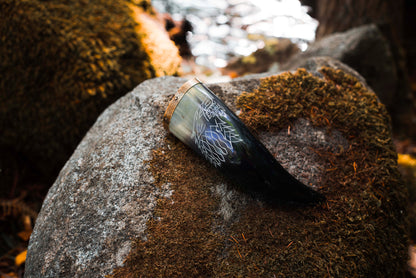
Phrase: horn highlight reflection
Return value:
(198, 118)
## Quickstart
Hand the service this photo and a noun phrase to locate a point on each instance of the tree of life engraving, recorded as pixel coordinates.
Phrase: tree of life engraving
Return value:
(213, 135)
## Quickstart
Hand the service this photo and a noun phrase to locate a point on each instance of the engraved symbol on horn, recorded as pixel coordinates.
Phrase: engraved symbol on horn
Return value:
(212, 134)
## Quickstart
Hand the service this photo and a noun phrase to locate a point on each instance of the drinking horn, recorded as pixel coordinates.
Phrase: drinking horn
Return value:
(202, 121)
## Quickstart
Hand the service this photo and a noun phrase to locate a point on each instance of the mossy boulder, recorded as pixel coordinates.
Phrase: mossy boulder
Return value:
(133, 201)
(63, 62)
(364, 49)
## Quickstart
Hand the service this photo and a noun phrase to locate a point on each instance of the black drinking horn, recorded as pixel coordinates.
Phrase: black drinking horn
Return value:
(203, 122)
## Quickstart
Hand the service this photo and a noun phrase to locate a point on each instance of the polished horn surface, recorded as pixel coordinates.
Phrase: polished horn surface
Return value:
(198, 118)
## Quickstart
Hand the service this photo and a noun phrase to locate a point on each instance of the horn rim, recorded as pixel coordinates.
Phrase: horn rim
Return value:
(177, 98)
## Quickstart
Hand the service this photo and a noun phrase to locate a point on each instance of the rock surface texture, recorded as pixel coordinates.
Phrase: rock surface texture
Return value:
(63, 62)
(133, 201)
(365, 50)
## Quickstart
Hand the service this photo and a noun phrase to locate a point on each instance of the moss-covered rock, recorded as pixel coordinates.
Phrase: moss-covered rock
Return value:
(359, 232)
(366, 50)
(133, 201)
(63, 62)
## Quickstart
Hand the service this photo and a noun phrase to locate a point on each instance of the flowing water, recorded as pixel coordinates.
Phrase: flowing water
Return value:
(227, 28)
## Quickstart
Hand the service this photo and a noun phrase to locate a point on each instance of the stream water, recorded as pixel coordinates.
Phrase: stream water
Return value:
(223, 29)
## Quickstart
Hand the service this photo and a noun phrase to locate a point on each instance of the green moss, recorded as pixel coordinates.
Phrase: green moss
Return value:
(62, 63)
(359, 232)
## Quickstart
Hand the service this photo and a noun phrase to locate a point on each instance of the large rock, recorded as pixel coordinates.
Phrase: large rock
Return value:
(364, 49)
(63, 62)
(133, 201)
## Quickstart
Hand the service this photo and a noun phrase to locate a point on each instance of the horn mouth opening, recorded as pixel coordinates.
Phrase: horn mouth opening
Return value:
(177, 98)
